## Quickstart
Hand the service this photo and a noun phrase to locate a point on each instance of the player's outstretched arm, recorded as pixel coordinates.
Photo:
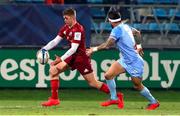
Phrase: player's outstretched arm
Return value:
(50, 45)
(71, 51)
(53, 43)
(105, 45)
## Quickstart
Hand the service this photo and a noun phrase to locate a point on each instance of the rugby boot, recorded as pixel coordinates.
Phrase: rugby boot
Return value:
(51, 102)
(110, 102)
(121, 100)
(153, 106)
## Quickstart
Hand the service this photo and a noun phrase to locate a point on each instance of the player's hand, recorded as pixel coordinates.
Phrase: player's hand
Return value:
(56, 61)
(43, 51)
(140, 51)
(89, 51)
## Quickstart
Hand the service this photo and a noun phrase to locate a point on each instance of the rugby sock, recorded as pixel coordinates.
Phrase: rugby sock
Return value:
(112, 87)
(146, 93)
(54, 89)
(104, 88)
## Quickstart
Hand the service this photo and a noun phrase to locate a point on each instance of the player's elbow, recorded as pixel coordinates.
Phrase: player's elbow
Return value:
(73, 51)
(138, 33)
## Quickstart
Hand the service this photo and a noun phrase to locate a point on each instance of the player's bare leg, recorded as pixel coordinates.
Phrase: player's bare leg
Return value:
(146, 93)
(93, 82)
(55, 70)
(116, 98)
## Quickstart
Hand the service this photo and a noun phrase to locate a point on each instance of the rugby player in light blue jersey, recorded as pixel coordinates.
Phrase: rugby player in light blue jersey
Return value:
(130, 61)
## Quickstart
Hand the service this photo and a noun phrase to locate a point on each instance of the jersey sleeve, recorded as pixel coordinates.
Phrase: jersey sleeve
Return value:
(116, 33)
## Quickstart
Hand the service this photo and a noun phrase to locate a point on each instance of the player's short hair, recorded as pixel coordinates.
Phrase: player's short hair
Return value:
(70, 12)
(114, 16)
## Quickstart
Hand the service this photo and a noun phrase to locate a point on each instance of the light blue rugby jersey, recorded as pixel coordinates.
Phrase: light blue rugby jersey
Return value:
(125, 42)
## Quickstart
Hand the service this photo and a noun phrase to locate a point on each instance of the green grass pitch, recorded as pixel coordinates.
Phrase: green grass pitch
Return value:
(84, 102)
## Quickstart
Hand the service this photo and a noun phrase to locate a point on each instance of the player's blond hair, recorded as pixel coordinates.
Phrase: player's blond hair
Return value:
(69, 12)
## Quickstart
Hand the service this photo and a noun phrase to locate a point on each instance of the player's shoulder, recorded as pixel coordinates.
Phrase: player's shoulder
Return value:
(122, 26)
(117, 28)
(79, 27)
(64, 27)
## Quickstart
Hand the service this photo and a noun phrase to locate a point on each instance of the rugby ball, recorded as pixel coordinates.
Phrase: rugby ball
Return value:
(42, 56)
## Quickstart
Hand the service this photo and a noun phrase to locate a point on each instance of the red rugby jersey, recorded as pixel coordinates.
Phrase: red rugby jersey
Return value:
(75, 34)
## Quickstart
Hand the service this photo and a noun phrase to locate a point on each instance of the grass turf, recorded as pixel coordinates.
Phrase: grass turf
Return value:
(84, 102)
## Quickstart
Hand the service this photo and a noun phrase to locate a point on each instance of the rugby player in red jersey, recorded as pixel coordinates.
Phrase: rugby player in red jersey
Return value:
(74, 58)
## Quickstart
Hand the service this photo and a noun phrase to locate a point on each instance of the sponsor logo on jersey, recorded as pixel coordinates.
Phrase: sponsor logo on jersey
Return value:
(77, 36)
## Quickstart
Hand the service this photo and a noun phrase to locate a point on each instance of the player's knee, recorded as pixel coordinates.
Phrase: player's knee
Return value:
(53, 71)
(137, 86)
(108, 76)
